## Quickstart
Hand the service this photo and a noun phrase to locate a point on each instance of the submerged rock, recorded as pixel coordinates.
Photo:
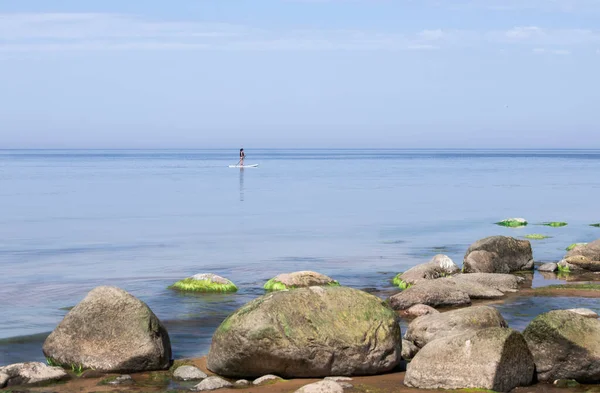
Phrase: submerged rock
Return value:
(121, 380)
(431, 327)
(325, 386)
(537, 236)
(433, 293)
(565, 345)
(498, 254)
(189, 373)
(29, 373)
(439, 266)
(495, 358)
(555, 224)
(212, 383)
(111, 331)
(308, 332)
(303, 279)
(512, 222)
(548, 267)
(205, 282)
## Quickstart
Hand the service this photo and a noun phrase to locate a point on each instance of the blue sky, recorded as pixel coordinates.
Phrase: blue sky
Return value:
(299, 73)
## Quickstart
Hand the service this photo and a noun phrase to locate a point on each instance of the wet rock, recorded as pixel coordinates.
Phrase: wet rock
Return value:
(338, 379)
(321, 387)
(303, 279)
(433, 293)
(30, 373)
(300, 333)
(205, 282)
(578, 263)
(189, 373)
(439, 266)
(498, 254)
(121, 380)
(548, 267)
(409, 350)
(110, 331)
(498, 281)
(562, 342)
(419, 310)
(431, 327)
(495, 358)
(585, 312)
(212, 383)
(266, 379)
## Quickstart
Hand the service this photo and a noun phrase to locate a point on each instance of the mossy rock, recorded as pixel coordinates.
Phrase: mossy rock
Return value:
(563, 268)
(302, 279)
(595, 225)
(206, 282)
(555, 224)
(397, 281)
(512, 222)
(572, 246)
(537, 236)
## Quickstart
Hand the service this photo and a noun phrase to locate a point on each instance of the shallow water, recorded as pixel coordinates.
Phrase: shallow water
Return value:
(140, 220)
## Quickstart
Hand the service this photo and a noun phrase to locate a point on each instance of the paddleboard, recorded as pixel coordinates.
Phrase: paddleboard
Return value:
(243, 166)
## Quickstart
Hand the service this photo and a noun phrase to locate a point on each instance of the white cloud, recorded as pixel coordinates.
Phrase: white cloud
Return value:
(559, 52)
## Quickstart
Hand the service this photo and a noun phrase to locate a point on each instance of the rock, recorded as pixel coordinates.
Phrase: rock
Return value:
(212, 383)
(266, 379)
(419, 310)
(578, 263)
(346, 385)
(566, 383)
(585, 312)
(189, 373)
(321, 387)
(303, 279)
(474, 289)
(242, 382)
(29, 373)
(338, 379)
(498, 281)
(431, 327)
(205, 282)
(513, 222)
(439, 266)
(536, 236)
(565, 345)
(409, 350)
(308, 332)
(433, 293)
(548, 267)
(121, 380)
(495, 358)
(110, 331)
(498, 254)
(589, 250)
(555, 224)
(572, 246)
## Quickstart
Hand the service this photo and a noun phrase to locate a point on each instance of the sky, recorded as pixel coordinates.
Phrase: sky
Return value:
(300, 73)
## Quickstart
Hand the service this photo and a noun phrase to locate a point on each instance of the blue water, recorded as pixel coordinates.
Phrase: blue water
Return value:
(140, 220)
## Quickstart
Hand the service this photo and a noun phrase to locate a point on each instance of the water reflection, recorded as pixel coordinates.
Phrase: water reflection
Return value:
(241, 184)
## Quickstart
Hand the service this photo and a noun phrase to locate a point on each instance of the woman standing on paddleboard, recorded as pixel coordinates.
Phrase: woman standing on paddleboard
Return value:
(242, 156)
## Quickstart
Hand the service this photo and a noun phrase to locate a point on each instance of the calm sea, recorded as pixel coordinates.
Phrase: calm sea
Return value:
(141, 220)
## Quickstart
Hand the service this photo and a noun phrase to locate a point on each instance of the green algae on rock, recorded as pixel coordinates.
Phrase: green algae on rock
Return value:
(572, 246)
(555, 224)
(302, 279)
(513, 222)
(595, 225)
(206, 282)
(537, 236)
(397, 281)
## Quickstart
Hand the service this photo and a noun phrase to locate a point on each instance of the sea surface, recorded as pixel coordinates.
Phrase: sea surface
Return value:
(141, 220)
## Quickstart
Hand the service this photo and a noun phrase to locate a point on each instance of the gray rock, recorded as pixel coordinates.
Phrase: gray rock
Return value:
(302, 279)
(242, 382)
(110, 331)
(301, 333)
(548, 267)
(565, 345)
(321, 387)
(30, 373)
(189, 373)
(474, 289)
(498, 254)
(574, 263)
(212, 383)
(497, 281)
(439, 266)
(419, 310)
(591, 251)
(495, 358)
(433, 293)
(409, 350)
(585, 312)
(431, 327)
(346, 385)
(122, 380)
(338, 379)
(266, 379)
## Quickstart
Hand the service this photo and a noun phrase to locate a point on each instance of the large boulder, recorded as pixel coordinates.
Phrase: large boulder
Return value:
(308, 332)
(495, 358)
(303, 279)
(588, 250)
(498, 254)
(439, 266)
(498, 281)
(565, 345)
(431, 327)
(29, 373)
(110, 331)
(433, 293)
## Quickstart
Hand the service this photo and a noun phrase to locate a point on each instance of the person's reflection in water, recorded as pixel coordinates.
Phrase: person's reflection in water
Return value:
(241, 184)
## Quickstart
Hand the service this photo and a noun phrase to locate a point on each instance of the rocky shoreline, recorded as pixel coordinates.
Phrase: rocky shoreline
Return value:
(311, 330)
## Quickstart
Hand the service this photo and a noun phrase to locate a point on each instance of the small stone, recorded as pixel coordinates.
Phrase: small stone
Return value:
(409, 349)
(242, 382)
(566, 383)
(548, 267)
(122, 380)
(321, 387)
(212, 383)
(31, 373)
(338, 379)
(585, 312)
(419, 310)
(266, 379)
(188, 373)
